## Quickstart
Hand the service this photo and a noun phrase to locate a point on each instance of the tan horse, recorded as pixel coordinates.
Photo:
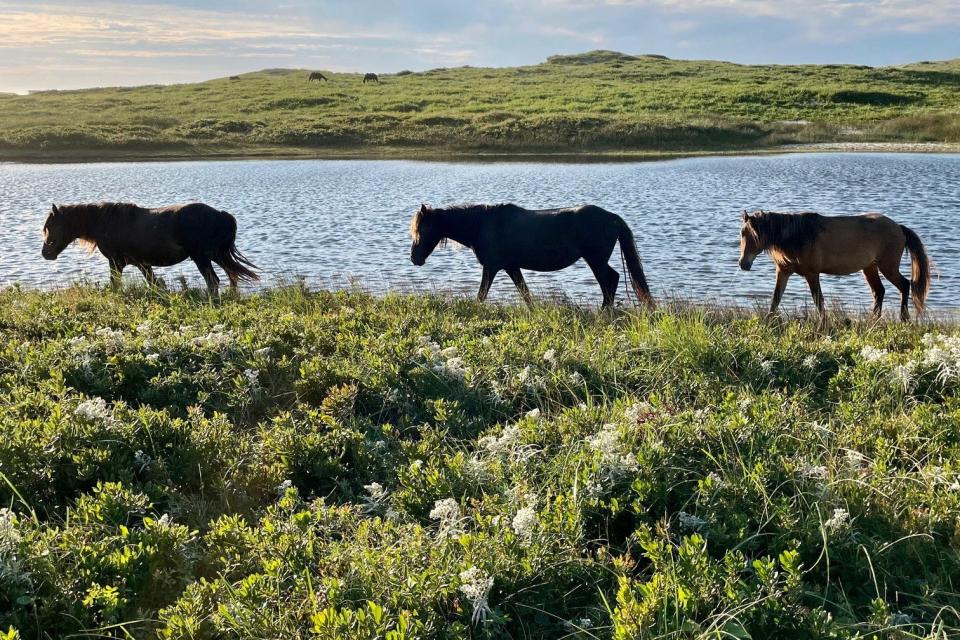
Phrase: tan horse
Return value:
(809, 244)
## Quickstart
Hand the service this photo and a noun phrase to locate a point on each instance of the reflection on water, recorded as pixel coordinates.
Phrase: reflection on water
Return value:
(330, 221)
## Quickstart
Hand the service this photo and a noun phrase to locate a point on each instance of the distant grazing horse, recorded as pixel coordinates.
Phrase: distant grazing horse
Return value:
(145, 238)
(371, 77)
(234, 77)
(316, 75)
(510, 238)
(810, 244)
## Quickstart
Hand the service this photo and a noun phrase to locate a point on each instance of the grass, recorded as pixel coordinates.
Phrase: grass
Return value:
(595, 102)
(293, 464)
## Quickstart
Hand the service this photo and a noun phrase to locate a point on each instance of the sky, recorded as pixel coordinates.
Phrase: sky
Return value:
(67, 45)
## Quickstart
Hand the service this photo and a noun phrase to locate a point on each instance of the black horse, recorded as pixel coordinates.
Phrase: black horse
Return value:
(511, 238)
(371, 77)
(316, 75)
(130, 235)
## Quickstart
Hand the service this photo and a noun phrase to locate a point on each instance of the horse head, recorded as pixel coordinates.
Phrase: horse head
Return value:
(426, 234)
(751, 244)
(56, 234)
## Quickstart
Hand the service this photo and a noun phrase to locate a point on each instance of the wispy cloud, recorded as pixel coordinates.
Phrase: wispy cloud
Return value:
(55, 43)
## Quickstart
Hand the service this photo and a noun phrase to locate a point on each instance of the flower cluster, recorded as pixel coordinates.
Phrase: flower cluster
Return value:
(873, 354)
(838, 521)
(943, 354)
(614, 461)
(691, 522)
(475, 585)
(94, 409)
(446, 362)
(375, 500)
(524, 522)
(447, 512)
(217, 339)
(112, 339)
(11, 570)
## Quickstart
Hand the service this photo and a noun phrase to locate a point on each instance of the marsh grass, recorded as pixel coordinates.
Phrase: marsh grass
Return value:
(315, 464)
(598, 101)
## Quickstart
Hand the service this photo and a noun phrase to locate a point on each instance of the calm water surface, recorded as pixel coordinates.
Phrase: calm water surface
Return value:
(337, 222)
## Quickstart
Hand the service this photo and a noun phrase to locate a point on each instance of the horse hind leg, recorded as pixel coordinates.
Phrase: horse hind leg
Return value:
(607, 278)
(891, 271)
(872, 275)
(205, 266)
(517, 276)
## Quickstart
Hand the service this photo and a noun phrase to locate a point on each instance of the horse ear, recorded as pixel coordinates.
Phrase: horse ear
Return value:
(746, 216)
(423, 208)
(55, 210)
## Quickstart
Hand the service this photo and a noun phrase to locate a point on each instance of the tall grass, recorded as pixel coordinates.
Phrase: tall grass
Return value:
(599, 101)
(294, 464)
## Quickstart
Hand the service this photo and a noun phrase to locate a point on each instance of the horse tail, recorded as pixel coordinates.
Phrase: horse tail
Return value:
(920, 269)
(237, 265)
(628, 249)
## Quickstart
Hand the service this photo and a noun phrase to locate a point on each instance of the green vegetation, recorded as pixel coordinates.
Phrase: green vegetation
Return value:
(295, 465)
(594, 102)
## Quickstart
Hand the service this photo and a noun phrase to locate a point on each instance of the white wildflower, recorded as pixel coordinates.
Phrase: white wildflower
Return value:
(810, 362)
(252, 376)
(576, 378)
(447, 512)
(11, 569)
(454, 368)
(216, 339)
(448, 352)
(77, 342)
(144, 327)
(524, 375)
(524, 522)
(142, 460)
(550, 356)
(839, 520)
(282, 488)
(263, 353)
(375, 498)
(872, 354)
(533, 414)
(164, 521)
(475, 585)
(416, 466)
(152, 357)
(766, 366)
(855, 459)
(112, 338)
(813, 472)
(691, 522)
(93, 409)
(636, 411)
(585, 623)
(614, 462)
(903, 376)
(822, 430)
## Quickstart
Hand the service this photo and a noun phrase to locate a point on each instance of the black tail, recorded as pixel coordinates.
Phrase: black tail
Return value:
(237, 265)
(628, 248)
(920, 271)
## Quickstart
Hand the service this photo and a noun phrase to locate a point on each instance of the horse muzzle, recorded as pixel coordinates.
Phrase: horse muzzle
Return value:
(745, 264)
(418, 260)
(49, 255)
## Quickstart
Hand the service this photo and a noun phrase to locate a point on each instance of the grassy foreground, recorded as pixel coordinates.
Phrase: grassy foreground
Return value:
(295, 465)
(600, 101)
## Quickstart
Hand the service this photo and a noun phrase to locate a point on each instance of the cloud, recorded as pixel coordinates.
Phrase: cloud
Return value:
(187, 40)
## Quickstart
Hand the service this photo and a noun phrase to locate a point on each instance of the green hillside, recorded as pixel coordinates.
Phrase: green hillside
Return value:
(597, 101)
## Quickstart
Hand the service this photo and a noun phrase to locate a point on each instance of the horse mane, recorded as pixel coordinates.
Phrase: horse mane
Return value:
(456, 209)
(785, 232)
(79, 218)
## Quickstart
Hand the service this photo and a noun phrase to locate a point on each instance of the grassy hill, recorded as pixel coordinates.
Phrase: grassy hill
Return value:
(597, 101)
(335, 465)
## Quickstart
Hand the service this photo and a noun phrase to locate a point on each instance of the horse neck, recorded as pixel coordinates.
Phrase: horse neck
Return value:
(461, 226)
(85, 222)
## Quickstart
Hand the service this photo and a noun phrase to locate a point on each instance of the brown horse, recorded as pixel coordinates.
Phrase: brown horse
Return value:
(810, 244)
(509, 238)
(316, 75)
(371, 77)
(130, 235)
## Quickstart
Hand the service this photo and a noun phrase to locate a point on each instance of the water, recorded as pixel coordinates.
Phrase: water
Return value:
(337, 222)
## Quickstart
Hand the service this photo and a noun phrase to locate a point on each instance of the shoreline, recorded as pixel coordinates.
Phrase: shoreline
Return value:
(459, 156)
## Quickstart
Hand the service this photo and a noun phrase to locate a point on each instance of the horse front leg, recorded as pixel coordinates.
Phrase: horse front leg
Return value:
(148, 274)
(521, 285)
(782, 276)
(872, 275)
(813, 280)
(116, 271)
(486, 280)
